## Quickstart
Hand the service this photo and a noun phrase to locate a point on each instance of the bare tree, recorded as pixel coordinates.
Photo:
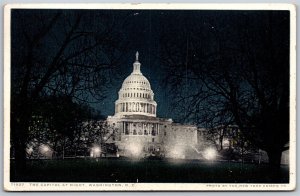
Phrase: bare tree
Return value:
(233, 69)
(60, 52)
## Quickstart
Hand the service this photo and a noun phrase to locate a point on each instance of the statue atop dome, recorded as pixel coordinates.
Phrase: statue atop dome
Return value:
(137, 56)
(137, 65)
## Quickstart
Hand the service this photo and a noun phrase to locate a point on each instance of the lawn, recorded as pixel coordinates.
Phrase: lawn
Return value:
(125, 170)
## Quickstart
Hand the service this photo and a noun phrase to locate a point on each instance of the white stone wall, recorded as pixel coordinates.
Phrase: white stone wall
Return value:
(169, 139)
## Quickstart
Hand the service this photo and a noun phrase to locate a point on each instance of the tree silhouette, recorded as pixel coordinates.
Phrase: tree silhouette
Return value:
(227, 69)
(60, 53)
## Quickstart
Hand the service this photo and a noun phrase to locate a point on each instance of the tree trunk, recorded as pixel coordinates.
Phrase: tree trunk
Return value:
(20, 119)
(274, 156)
(20, 157)
(274, 172)
(19, 128)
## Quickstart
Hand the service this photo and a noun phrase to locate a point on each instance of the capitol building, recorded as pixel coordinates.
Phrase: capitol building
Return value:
(139, 132)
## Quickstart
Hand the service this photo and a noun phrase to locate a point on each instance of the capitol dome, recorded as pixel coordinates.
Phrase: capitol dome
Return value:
(136, 95)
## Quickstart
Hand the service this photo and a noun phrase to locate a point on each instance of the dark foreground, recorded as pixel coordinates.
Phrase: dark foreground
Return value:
(121, 170)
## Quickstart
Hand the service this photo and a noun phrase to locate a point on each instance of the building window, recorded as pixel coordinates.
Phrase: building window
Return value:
(140, 132)
(153, 132)
(145, 132)
(126, 129)
(134, 132)
(165, 133)
(153, 139)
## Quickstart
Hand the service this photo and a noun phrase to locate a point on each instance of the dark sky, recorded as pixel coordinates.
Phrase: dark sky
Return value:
(151, 26)
(145, 30)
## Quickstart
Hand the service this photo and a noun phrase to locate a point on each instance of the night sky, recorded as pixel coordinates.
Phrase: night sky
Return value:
(144, 30)
(150, 26)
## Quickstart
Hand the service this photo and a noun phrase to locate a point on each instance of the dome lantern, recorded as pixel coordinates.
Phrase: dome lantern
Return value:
(137, 64)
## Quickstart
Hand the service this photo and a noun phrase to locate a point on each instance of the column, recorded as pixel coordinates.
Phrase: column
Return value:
(123, 127)
(148, 125)
(130, 128)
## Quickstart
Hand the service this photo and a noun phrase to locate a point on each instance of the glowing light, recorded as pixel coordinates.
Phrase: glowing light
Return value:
(45, 150)
(29, 150)
(95, 152)
(177, 152)
(226, 142)
(135, 149)
(210, 154)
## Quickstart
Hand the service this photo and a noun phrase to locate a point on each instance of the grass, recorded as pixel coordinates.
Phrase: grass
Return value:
(125, 170)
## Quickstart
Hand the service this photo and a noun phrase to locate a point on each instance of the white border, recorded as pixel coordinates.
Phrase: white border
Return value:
(8, 186)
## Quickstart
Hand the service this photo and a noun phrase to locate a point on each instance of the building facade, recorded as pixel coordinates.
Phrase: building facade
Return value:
(138, 131)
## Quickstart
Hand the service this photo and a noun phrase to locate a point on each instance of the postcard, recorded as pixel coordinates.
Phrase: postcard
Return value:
(149, 97)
